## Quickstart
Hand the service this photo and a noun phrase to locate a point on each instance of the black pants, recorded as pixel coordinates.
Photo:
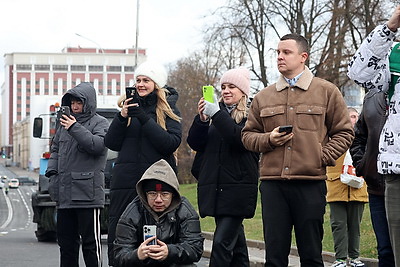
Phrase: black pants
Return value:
(74, 224)
(229, 247)
(293, 204)
(119, 200)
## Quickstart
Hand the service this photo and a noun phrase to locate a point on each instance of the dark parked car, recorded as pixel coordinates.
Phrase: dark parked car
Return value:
(26, 181)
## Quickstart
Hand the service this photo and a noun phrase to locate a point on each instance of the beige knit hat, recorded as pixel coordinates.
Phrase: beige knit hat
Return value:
(240, 77)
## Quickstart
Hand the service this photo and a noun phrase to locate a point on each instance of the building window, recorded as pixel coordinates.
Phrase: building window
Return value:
(42, 67)
(95, 68)
(24, 67)
(114, 68)
(129, 68)
(60, 67)
(78, 68)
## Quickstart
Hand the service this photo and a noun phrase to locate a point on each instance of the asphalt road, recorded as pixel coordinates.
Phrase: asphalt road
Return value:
(18, 244)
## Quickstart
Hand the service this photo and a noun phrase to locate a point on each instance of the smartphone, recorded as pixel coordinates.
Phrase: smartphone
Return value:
(65, 110)
(287, 129)
(131, 93)
(208, 93)
(149, 231)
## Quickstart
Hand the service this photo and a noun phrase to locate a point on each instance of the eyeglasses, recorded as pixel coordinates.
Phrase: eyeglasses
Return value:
(164, 195)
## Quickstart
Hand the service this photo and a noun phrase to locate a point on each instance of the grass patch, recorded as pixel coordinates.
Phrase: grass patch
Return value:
(253, 227)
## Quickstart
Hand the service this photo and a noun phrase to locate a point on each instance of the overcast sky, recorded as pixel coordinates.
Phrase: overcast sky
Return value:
(168, 29)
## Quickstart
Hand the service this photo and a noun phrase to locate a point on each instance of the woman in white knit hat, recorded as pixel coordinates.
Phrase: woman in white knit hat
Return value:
(227, 173)
(144, 131)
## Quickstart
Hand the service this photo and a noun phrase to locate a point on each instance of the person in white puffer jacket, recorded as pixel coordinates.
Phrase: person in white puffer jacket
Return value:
(376, 67)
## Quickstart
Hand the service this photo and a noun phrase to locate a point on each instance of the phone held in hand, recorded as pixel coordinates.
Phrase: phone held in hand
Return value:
(286, 128)
(131, 93)
(149, 231)
(208, 93)
(65, 110)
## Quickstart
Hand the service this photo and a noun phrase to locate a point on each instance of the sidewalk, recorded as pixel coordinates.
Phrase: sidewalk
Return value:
(256, 248)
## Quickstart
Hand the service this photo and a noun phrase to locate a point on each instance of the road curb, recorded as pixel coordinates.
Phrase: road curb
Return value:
(257, 261)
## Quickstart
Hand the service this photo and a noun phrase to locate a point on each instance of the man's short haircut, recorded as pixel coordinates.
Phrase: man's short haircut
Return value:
(351, 109)
(300, 40)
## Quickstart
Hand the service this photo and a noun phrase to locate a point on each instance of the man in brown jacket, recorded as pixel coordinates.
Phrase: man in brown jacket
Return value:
(293, 165)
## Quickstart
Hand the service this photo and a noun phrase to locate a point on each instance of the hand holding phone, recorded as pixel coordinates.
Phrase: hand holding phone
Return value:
(208, 93)
(150, 231)
(131, 93)
(286, 128)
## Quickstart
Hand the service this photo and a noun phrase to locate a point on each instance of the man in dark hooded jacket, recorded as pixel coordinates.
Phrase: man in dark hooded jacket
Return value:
(76, 171)
(178, 234)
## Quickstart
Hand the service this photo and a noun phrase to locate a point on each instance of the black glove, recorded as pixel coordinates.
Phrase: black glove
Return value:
(50, 173)
(139, 113)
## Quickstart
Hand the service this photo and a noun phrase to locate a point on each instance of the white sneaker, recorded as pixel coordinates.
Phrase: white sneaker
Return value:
(356, 263)
(340, 263)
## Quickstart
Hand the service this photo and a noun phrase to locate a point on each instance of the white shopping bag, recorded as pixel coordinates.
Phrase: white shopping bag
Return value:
(348, 175)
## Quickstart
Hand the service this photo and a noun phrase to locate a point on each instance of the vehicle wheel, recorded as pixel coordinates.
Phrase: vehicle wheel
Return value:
(48, 219)
(46, 226)
(45, 236)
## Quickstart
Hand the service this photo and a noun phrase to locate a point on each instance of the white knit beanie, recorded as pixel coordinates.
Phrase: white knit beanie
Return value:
(154, 71)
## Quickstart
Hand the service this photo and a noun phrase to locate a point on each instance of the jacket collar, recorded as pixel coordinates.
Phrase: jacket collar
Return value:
(303, 82)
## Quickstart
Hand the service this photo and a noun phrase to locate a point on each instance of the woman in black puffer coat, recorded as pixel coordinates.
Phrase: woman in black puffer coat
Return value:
(146, 130)
(227, 173)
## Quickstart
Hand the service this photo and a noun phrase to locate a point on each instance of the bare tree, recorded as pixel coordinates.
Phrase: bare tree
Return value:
(333, 28)
(240, 35)
(188, 76)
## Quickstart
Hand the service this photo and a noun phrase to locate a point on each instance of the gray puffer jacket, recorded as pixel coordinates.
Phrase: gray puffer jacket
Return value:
(178, 226)
(78, 155)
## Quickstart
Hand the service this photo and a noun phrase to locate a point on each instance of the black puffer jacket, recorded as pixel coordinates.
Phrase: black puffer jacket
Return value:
(138, 146)
(178, 226)
(228, 176)
(364, 149)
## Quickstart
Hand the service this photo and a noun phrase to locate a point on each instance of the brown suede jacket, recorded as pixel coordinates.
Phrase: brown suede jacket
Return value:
(321, 127)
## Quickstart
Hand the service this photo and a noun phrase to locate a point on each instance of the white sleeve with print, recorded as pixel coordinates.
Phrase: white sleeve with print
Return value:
(369, 66)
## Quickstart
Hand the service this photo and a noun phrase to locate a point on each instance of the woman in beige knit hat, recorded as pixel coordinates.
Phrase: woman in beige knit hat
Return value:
(227, 173)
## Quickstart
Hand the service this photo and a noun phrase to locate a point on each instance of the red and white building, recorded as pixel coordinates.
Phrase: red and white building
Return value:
(34, 81)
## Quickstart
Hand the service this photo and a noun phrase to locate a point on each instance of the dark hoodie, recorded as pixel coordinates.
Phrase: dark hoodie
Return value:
(78, 155)
(178, 226)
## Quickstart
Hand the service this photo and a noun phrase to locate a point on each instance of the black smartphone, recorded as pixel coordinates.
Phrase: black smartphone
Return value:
(286, 128)
(131, 93)
(65, 110)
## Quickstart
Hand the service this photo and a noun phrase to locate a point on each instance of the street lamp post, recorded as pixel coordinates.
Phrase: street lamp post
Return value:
(137, 34)
(99, 46)
(104, 63)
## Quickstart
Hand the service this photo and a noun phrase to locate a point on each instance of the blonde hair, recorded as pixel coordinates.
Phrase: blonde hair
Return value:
(240, 112)
(163, 109)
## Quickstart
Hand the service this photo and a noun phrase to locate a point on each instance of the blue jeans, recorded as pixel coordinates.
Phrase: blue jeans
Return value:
(379, 223)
